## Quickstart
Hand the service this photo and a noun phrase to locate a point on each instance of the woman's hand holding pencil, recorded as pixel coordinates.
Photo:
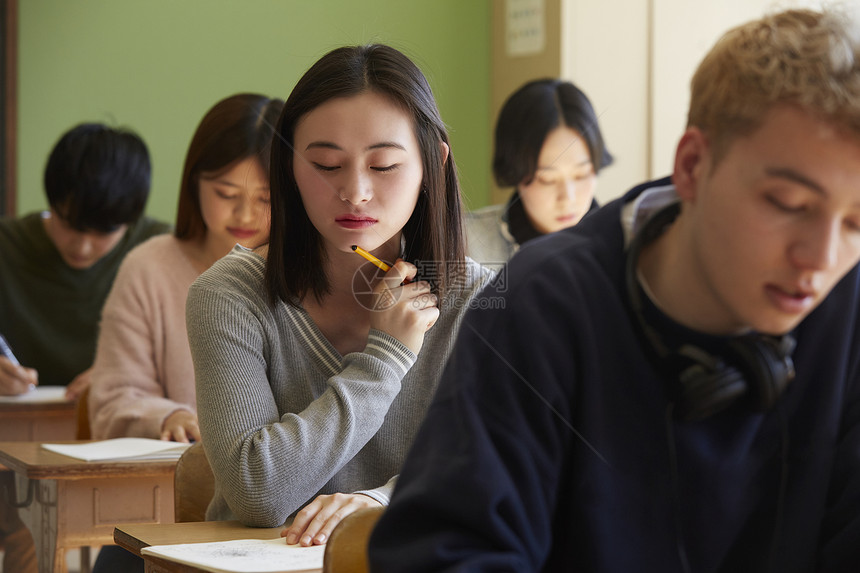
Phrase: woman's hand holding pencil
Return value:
(401, 308)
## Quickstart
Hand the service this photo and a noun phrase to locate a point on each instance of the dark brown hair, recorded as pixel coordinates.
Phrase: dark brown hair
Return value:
(236, 128)
(434, 232)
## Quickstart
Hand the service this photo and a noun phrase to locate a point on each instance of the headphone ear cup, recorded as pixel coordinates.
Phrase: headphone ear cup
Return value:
(700, 384)
(706, 387)
(767, 366)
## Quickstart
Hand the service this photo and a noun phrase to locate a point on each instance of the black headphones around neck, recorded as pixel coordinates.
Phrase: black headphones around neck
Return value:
(755, 367)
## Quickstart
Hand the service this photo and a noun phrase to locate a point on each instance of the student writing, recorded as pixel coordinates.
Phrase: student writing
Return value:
(57, 266)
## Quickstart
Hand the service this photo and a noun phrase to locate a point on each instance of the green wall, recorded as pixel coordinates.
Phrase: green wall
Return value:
(157, 66)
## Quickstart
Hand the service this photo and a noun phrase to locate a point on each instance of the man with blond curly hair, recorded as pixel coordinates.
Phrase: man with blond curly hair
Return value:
(674, 383)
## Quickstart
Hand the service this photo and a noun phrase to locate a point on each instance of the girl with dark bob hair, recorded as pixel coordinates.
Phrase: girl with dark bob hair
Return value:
(314, 367)
(549, 148)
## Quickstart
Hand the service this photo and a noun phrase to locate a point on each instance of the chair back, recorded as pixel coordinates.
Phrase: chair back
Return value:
(346, 549)
(82, 426)
(193, 485)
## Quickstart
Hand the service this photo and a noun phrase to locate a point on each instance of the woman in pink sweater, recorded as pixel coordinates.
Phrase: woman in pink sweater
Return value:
(143, 377)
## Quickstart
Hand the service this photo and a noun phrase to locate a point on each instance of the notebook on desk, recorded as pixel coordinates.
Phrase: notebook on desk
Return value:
(243, 556)
(121, 449)
(38, 395)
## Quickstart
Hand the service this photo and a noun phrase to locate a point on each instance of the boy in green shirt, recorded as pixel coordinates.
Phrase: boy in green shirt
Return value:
(57, 267)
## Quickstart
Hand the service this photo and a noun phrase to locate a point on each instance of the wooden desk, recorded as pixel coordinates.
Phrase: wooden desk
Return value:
(36, 419)
(135, 537)
(71, 503)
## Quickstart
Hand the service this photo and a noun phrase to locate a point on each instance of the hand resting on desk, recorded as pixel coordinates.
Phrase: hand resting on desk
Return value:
(15, 379)
(315, 522)
(181, 426)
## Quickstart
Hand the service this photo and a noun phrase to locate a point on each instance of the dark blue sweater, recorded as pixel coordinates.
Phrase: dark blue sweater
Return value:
(547, 449)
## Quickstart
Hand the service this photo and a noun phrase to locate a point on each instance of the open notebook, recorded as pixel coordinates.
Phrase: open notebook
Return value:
(243, 556)
(121, 449)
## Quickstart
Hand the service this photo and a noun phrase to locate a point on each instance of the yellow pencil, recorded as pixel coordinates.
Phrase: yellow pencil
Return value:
(371, 258)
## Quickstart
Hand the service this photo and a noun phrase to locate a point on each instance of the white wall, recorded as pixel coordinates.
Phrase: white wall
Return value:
(634, 59)
(605, 52)
(684, 31)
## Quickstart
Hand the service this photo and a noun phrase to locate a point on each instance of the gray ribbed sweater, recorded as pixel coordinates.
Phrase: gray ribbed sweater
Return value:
(283, 415)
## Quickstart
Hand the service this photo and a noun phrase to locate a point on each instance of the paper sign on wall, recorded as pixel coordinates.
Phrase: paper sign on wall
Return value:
(525, 32)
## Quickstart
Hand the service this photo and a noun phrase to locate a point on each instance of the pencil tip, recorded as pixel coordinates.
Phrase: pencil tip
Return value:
(354, 247)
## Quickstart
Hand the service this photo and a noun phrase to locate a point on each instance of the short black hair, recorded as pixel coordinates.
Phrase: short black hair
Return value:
(529, 115)
(97, 177)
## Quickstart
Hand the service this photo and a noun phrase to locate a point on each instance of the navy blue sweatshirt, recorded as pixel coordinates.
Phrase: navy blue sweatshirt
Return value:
(547, 446)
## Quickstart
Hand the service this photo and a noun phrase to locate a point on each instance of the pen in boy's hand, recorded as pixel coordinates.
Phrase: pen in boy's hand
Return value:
(7, 352)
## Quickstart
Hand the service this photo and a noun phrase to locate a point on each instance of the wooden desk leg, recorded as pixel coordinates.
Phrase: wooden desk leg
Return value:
(85, 559)
(41, 517)
(87, 512)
